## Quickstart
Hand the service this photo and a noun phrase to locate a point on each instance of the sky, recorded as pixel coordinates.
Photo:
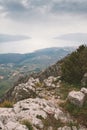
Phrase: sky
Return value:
(28, 25)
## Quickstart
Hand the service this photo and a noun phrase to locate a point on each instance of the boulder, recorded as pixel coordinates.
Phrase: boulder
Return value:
(77, 98)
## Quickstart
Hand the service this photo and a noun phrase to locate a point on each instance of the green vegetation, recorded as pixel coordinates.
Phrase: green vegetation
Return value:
(75, 65)
(78, 113)
(4, 86)
(65, 88)
(7, 104)
(27, 124)
(51, 121)
(12, 66)
(38, 84)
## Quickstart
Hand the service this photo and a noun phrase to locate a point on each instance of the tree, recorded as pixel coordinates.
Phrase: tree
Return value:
(75, 65)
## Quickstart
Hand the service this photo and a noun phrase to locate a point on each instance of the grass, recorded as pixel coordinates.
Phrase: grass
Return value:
(80, 114)
(39, 117)
(50, 121)
(7, 104)
(65, 88)
(70, 124)
(38, 84)
(5, 85)
(27, 124)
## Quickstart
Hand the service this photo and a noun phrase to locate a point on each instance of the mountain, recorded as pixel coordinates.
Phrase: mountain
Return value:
(48, 55)
(44, 101)
(14, 66)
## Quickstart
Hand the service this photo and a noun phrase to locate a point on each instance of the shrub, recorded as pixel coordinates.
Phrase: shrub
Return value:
(7, 104)
(78, 113)
(39, 117)
(27, 124)
(51, 121)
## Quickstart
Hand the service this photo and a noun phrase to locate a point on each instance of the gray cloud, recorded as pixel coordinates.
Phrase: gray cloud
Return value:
(67, 6)
(27, 9)
(76, 37)
(9, 38)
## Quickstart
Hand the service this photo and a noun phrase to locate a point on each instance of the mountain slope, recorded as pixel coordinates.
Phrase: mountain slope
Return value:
(45, 103)
(13, 66)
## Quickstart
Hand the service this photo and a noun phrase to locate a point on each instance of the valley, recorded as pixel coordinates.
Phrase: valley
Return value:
(14, 66)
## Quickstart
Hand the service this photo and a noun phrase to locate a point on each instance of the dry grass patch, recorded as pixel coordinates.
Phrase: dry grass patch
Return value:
(7, 104)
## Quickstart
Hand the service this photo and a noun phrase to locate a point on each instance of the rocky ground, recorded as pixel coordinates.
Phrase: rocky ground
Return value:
(37, 107)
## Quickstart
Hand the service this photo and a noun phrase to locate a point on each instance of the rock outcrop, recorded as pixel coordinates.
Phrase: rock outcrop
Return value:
(78, 97)
(36, 111)
(34, 88)
(40, 114)
(39, 106)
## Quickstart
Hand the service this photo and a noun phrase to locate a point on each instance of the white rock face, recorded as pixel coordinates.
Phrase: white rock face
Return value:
(49, 82)
(30, 109)
(25, 90)
(77, 98)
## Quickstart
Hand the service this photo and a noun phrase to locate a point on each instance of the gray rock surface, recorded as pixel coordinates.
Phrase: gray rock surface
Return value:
(25, 90)
(40, 105)
(31, 110)
(76, 97)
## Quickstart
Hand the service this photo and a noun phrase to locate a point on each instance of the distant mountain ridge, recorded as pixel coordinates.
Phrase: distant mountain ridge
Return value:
(13, 66)
(48, 53)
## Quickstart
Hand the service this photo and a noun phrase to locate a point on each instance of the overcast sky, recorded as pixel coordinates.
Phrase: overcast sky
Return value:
(28, 25)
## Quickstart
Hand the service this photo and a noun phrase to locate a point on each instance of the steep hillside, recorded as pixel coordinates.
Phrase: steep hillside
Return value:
(75, 66)
(14, 66)
(44, 101)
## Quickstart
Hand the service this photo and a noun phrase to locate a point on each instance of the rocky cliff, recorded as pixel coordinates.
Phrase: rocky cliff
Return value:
(39, 108)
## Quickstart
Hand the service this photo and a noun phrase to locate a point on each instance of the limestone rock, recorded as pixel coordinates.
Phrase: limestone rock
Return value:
(25, 90)
(76, 97)
(66, 128)
(15, 126)
(33, 110)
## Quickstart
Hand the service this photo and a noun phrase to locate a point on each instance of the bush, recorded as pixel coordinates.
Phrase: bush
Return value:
(7, 104)
(27, 124)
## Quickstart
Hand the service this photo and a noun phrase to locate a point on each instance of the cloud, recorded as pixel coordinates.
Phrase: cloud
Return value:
(9, 38)
(31, 9)
(76, 37)
(67, 6)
